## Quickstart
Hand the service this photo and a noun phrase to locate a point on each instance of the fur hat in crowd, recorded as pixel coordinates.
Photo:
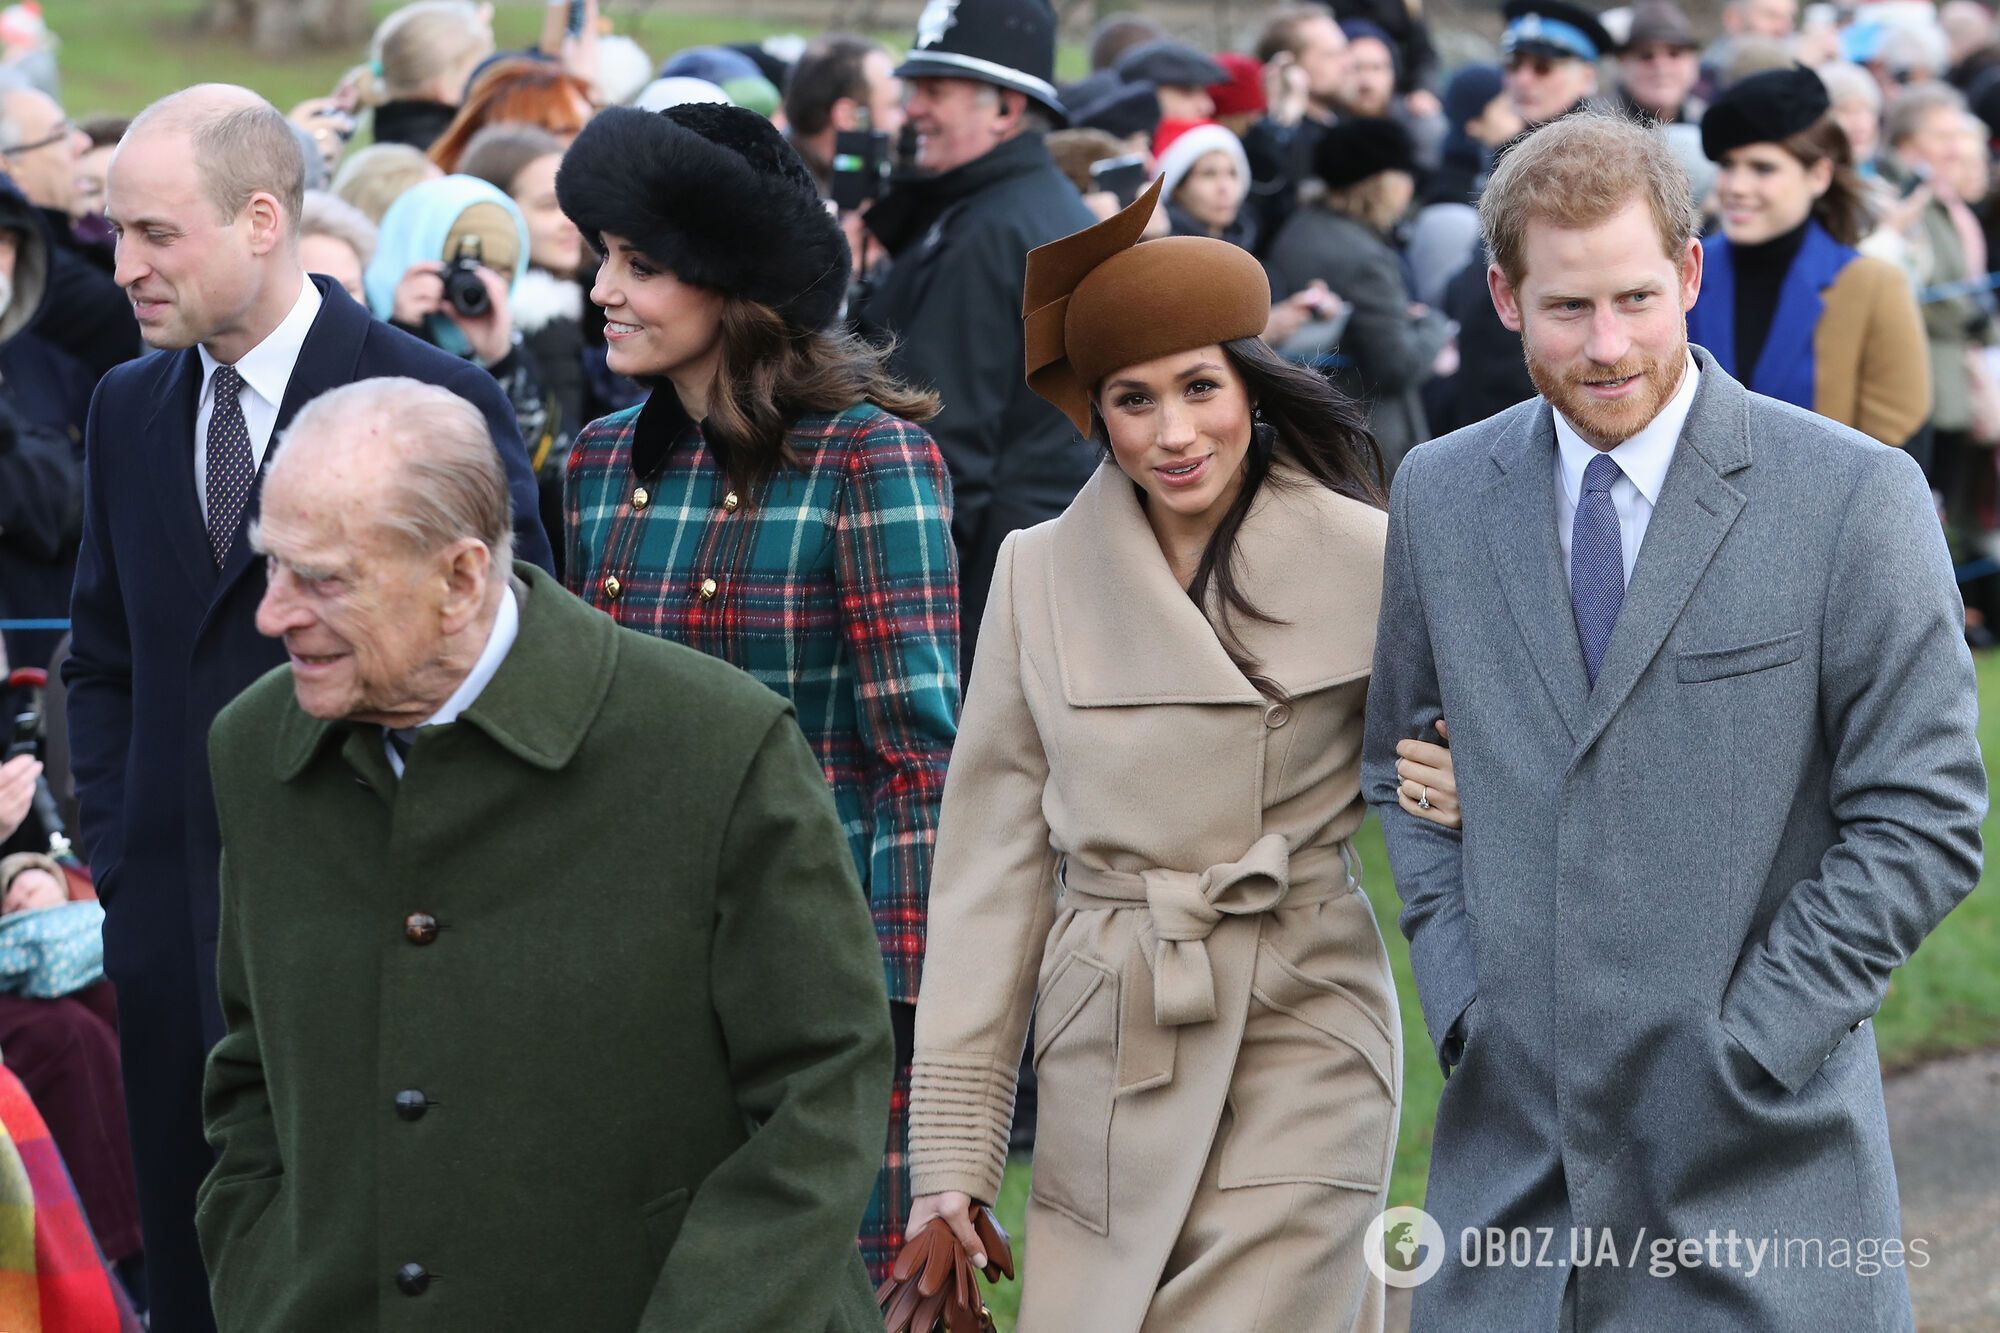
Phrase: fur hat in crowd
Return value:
(714, 195)
(1353, 150)
(1764, 108)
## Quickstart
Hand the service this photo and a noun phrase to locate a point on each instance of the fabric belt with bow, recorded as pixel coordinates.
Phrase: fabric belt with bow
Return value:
(1167, 980)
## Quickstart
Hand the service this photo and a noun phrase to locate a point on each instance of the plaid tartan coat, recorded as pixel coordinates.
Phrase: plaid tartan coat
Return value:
(836, 586)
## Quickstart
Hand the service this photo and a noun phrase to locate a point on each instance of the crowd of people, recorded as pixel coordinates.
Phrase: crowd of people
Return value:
(764, 534)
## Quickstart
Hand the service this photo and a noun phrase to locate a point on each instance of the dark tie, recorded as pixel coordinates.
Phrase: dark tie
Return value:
(400, 743)
(1596, 563)
(230, 468)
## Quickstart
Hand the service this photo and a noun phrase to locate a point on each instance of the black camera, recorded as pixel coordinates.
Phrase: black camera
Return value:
(860, 168)
(463, 286)
(1122, 177)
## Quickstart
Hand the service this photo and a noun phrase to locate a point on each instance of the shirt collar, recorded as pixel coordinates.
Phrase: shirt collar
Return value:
(267, 367)
(1645, 457)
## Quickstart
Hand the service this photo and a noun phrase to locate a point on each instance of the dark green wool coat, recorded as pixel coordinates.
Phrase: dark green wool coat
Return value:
(636, 1079)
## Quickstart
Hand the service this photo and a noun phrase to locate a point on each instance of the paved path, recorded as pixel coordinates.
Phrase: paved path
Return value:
(1944, 1120)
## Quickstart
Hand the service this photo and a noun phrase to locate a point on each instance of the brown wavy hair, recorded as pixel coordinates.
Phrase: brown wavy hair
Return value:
(515, 92)
(770, 374)
(1843, 210)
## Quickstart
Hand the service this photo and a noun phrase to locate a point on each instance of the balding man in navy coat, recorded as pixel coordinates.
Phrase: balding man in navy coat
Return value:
(205, 192)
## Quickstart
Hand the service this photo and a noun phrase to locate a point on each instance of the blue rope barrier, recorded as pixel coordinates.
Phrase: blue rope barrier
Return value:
(34, 624)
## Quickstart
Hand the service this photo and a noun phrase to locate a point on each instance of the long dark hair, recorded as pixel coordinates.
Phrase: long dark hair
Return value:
(770, 374)
(1303, 420)
(1843, 210)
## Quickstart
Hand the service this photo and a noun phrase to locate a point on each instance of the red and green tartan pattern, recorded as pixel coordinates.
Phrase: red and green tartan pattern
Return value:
(889, 1206)
(53, 1279)
(836, 585)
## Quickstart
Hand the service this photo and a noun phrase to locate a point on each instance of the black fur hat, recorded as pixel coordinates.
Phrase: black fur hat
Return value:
(714, 195)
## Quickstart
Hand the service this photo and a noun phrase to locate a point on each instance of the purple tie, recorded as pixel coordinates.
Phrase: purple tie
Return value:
(1596, 563)
(230, 468)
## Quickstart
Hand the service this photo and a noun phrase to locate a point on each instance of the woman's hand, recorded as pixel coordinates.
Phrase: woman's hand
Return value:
(1314, 301)
(420, 293)
(956, 1210)
(1429, 787)
(17, 791)
(491, 334)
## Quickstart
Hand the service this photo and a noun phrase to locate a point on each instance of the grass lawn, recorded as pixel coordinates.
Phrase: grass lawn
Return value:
(1946, 1000)
(118, 55)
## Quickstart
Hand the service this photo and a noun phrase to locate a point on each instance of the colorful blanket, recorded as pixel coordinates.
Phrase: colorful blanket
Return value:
(52, 1277)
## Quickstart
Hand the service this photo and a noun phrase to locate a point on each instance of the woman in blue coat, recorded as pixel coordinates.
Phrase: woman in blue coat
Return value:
(1788, 305)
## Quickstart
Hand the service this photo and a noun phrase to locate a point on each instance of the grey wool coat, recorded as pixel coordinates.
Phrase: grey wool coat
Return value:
(580, 1025)
(1678, 897)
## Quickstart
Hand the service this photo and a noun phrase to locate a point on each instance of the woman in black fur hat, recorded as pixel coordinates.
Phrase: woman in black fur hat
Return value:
(773, 503)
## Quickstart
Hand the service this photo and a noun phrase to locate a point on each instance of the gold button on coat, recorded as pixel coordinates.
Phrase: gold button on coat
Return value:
(639, 498)
(707, 589)
(611, 586)
(729, 503)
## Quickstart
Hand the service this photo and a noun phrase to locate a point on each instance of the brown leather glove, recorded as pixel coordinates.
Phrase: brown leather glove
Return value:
(932, 1288)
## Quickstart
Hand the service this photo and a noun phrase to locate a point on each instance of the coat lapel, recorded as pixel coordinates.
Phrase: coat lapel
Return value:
(1696, 510)
(327, 360)
(1128, 634)
(1785, 367)
(1520, 519)
(169, 451)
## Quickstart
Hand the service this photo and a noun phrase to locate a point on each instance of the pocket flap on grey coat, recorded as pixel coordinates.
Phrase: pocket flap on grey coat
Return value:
(1722, 662)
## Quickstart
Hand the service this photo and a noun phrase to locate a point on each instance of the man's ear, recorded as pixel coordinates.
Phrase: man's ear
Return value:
(267, 222)
(1691, 265)
(1506, 301)
(468, 569)
(845, 115)
(1013, 106)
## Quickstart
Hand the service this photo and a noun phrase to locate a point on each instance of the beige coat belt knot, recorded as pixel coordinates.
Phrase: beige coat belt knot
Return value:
(1166, 978)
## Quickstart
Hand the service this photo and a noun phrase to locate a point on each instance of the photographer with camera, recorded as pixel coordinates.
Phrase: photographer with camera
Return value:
(451, 254)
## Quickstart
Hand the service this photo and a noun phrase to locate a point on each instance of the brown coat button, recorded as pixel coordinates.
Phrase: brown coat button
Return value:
(420, 928)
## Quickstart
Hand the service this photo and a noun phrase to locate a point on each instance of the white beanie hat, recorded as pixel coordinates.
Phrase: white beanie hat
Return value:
(1192, 146)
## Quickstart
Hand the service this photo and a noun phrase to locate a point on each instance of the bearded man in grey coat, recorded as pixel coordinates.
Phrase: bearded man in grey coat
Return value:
(1701, 659)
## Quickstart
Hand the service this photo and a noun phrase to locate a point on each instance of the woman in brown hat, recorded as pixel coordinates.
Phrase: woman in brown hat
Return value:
(1144, 845)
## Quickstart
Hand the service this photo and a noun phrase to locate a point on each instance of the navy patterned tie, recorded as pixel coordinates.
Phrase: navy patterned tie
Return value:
(230, 467)
(1596, 563)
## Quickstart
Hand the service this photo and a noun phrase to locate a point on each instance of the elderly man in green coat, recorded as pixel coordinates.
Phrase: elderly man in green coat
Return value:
(552, 1000)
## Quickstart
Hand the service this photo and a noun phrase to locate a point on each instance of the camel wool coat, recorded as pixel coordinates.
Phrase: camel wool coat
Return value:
(1219, 1066)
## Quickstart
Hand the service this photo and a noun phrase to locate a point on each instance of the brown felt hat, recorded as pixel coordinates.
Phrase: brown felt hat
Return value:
(1101, 300)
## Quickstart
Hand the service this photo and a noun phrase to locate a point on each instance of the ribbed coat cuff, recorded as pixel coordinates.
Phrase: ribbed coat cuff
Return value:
(961, 1108)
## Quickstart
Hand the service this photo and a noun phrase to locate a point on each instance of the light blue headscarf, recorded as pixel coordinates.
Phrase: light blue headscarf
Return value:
(416, 227)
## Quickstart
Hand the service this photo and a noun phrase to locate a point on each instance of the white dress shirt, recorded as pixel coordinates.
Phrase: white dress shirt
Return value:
(266, 370)
(506, 625)
(1643, 460)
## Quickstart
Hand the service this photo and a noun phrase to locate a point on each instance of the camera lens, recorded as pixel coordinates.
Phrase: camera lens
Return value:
(465, 291)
